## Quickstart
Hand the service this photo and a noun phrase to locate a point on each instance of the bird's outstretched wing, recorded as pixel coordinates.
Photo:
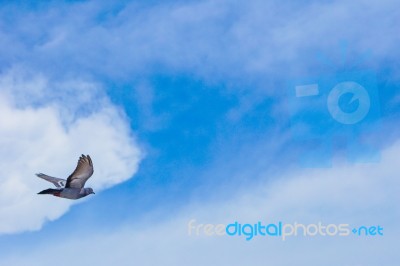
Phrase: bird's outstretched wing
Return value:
(58, 182)
(83, 171)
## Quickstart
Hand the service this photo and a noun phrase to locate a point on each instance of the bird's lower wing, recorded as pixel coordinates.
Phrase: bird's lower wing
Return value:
(58, 182)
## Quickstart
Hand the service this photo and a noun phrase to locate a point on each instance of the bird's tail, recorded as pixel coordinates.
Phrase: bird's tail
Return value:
(58, 182)
(50, 191)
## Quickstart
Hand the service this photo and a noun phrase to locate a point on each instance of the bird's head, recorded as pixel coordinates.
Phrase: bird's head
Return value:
(89, 191)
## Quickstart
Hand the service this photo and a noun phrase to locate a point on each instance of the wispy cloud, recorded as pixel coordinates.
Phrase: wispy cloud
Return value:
(223, 39)
(358, 195)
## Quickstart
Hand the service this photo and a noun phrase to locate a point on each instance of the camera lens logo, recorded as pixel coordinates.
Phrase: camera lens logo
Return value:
(335, 115)
(359, 95)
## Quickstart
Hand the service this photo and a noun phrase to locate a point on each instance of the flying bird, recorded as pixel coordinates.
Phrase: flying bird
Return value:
(73, 187)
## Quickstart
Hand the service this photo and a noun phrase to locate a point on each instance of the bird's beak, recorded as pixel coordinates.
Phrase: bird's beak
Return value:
(93, 193)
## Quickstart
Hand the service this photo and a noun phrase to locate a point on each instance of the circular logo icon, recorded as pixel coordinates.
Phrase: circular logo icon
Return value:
(359, 94)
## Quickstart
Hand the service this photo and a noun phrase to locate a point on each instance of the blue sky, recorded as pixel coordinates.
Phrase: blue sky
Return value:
(188, 111)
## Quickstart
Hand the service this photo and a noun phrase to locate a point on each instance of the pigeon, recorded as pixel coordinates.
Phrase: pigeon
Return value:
(73, 187)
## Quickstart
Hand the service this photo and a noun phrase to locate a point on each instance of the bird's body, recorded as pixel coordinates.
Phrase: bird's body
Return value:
(73, 187)
(67, 193)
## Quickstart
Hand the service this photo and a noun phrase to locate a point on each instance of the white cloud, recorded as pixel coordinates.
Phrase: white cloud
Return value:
(44, 127)
(355, 194)
(247, 45)
(211, 39)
